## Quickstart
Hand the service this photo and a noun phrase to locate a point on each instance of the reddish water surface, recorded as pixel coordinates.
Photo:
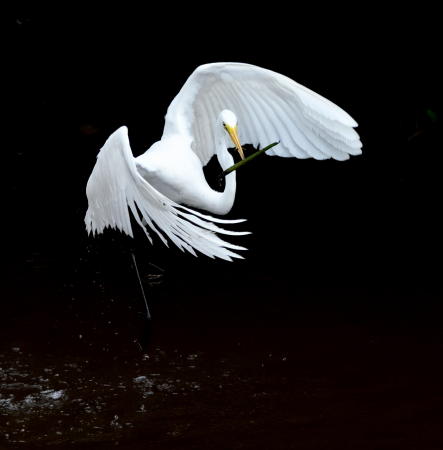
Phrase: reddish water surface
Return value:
(302, 369)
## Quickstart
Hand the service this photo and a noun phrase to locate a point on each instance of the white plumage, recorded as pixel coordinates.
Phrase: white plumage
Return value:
(155, 186)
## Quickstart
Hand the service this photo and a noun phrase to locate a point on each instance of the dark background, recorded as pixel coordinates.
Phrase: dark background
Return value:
(356, 242)
(75, 76)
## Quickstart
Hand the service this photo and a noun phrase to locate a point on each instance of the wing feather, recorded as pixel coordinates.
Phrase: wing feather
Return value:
(269, 107)
(246, 132)
(115, 184)
(260, 117)
(291, 144)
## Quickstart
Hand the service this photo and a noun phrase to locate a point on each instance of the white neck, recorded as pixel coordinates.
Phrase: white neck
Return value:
(221, 202)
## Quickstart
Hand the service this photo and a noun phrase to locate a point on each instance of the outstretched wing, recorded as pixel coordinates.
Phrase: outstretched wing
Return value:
(269, 106)
(115, 184)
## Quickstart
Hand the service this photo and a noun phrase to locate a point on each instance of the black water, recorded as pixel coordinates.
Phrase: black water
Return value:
(271, 365)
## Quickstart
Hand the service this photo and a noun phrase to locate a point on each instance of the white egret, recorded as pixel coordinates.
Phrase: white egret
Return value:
(219, 102)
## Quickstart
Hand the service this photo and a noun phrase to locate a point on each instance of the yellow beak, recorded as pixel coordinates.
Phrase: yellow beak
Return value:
(233, 133)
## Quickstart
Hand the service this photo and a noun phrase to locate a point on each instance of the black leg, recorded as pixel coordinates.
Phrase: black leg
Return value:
(148, 313)
(146, 334)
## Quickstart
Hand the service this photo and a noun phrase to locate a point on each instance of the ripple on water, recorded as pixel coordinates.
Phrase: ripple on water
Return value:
(41, 400)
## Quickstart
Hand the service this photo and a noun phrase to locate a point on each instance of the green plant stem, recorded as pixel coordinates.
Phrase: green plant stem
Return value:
(249, 158)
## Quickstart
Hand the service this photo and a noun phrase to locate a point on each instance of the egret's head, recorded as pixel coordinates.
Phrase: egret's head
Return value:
(229, 122)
